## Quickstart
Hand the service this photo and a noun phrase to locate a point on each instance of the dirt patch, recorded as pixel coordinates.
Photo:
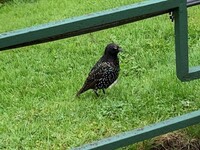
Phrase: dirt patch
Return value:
(175, 141)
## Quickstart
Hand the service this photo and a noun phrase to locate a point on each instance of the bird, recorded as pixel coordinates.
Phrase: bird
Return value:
(104, 72)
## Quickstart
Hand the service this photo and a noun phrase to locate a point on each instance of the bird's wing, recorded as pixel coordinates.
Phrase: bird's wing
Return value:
(99, 62)
(96, 74)
(100, 70)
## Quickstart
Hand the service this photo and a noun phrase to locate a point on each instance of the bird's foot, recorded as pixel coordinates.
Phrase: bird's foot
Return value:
(103, 91)
(95, 91)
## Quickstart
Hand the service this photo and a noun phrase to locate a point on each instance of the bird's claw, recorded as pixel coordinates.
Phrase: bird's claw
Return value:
(103, 91)
(95, 91)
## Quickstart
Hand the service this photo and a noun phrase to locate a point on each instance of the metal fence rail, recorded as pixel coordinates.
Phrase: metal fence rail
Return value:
(145, 133)
(85, 24)
(192, 2)
(88, 23)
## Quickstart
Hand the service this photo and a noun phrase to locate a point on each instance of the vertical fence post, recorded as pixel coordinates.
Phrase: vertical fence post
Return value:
(181, 40)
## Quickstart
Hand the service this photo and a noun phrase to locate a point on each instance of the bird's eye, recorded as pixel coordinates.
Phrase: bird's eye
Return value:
(115, 47)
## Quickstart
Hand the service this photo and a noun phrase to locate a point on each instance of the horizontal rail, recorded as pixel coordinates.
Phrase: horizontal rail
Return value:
(88, 23)
(192, 2)
(194, 73)
(85, 24)
(145, 133)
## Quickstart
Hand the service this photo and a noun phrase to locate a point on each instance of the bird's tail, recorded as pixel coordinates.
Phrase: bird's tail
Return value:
(80, 92)
(85, 87)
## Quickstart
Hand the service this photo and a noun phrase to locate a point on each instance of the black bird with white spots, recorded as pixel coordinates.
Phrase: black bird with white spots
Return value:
(104, 72)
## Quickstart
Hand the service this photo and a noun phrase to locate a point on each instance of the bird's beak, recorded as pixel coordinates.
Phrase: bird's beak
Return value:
(120, 49)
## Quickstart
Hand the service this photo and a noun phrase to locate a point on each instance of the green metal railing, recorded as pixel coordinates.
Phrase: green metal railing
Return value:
(111, 18)
(145, 133)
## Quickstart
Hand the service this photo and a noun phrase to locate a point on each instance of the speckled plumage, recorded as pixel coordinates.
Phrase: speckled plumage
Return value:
(104, 72)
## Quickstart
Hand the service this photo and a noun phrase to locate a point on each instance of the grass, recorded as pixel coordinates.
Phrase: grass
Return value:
(38, 83)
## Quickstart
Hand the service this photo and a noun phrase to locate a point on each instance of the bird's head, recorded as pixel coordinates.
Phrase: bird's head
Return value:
(112, 49)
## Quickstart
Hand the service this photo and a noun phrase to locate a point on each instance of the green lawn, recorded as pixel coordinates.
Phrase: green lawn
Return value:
(38, 83)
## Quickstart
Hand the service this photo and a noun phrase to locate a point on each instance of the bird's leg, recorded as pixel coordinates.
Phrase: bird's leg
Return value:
(103, 91)
(95, 91)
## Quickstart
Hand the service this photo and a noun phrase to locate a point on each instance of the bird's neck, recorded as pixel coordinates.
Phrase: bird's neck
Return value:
(113, 59)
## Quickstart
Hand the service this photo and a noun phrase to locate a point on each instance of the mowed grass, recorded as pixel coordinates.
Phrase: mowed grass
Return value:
(38, 83)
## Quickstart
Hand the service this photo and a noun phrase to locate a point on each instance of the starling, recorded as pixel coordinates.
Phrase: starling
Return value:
(104, 72)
